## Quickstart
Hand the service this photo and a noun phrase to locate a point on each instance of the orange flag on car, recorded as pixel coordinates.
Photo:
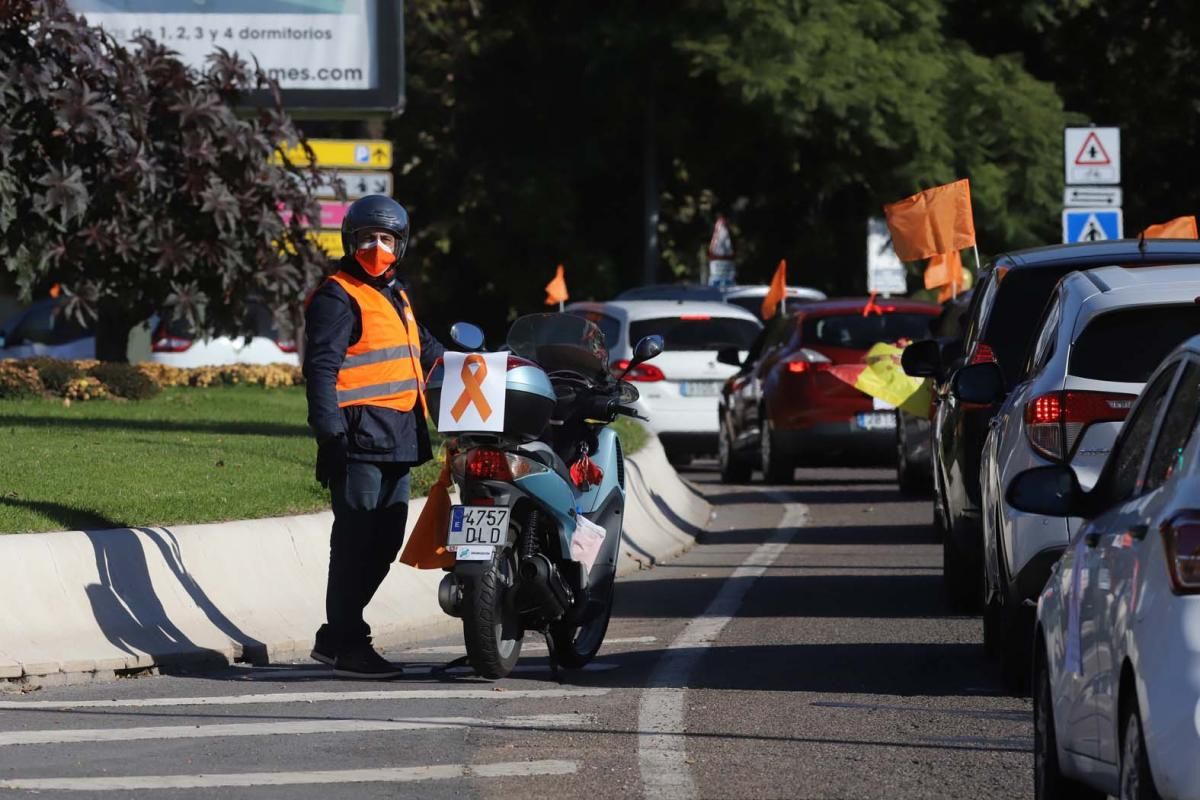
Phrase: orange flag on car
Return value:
(931, 222)
(778, 291)
(556, 289)
(946, 270)
(1178, 228)
(426, 548)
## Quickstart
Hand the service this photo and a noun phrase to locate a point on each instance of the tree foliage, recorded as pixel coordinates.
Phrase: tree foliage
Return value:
(127, 178)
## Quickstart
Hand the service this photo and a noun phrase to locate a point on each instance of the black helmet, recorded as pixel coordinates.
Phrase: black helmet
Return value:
(375, 211)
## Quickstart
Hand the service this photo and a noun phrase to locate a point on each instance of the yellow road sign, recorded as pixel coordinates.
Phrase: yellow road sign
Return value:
(344, 153)
(329, 241)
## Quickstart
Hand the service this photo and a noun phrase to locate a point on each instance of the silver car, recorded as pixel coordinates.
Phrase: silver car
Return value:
(1101, 335)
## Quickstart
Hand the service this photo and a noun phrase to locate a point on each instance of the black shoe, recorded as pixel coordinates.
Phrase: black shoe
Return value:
(361, 661)
(323, 646)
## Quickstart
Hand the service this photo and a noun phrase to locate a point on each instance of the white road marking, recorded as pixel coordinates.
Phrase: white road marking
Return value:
(458, 649)
(306, 697)
(662, 748)
(505, 769)
(281, 673)
(291, 727)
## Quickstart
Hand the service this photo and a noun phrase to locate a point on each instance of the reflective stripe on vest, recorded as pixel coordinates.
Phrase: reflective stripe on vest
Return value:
(383, 368)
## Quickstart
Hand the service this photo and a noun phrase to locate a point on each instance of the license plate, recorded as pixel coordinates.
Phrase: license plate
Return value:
(875, 421)
(477, 525)
(700, 388)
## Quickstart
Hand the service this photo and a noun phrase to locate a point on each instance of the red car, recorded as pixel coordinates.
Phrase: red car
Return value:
(785, 406)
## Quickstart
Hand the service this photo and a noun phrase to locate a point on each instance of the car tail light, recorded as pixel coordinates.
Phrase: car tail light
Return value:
(170, 344)
(486, 464)
(286, 345)
(1181, 543)
(643, 373)
(983, 354)
(805, 360)
(1056, 421)
(696, 317)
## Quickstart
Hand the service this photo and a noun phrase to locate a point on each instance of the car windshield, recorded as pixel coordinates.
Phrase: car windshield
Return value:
(560, 342)
(698, 332)
(1127, 345)
(861, 333)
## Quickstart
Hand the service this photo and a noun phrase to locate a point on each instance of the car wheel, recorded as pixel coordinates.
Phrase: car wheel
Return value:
(734, 469)
(962, 593)
(1017, 625)
(1049, 782)
(1136, 781)
(777, 466)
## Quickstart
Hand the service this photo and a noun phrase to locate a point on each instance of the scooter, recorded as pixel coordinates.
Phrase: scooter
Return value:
(536, 536)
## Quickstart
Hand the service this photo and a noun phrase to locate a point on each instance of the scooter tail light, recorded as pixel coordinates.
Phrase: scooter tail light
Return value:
(1181, 545)
(486, 464)
(1055, 422)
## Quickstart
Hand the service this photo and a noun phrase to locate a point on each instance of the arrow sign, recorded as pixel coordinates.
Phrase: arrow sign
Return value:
(1092, 196)
(1092, 224)
(357, 184)
(353, 153)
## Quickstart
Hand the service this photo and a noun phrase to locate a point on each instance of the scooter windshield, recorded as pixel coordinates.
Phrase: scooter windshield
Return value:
(560, 342)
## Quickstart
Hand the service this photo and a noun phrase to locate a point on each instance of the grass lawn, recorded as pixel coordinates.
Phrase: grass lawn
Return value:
(188, 455)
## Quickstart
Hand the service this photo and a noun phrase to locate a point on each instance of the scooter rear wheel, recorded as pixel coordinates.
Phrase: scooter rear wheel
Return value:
(491, 621)
(576, 645)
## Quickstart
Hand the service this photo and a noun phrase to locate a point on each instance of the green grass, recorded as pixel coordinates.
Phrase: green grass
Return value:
(188, 455)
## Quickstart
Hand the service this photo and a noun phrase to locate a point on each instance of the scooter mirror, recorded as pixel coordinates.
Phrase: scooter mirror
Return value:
(467, 336)
(647, 348)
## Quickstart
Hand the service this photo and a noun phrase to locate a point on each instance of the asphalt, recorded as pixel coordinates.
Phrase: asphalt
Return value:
(802, 650)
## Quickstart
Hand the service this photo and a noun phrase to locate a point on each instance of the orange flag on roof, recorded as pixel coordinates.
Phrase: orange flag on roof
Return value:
(1178, 228)
(932, 222)
(947, 272)
(778, 291)
(556, 289)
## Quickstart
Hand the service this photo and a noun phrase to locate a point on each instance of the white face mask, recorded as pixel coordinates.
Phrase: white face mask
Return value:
(376, 243)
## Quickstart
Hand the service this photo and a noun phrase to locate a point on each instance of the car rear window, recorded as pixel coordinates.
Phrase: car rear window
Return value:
(1011, 323)
(860, 333)
(754, 304)
(699, 332)
(1128, 344)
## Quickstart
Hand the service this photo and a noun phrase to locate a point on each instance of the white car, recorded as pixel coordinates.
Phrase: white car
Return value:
(1102, 333)
(172, 342)
(1117, 643)
(680, 389)
(751, 297)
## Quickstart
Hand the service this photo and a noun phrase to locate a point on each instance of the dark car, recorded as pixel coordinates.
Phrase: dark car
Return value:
(914, 434)
(1001, 322)
(787, 405)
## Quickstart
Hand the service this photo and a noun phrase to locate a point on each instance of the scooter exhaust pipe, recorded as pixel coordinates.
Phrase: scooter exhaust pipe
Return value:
(450, 595)
(544, 586)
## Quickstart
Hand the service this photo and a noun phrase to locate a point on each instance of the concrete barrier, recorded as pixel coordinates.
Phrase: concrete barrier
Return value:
(81, 605)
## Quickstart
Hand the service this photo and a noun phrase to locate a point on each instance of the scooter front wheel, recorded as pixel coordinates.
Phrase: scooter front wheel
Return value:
(492, 628)
(576, 645)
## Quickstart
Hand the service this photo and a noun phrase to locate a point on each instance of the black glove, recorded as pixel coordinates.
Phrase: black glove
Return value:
(331, 459)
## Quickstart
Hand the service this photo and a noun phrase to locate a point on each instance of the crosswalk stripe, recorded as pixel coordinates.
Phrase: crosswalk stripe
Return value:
(453, 649)
(246, 779)
(290, 727)
(306, 697)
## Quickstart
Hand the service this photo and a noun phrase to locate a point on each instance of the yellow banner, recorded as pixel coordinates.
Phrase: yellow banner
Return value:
(343, 153)
(329, 241)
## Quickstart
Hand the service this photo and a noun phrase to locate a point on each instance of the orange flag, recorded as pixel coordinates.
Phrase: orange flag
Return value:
(947, 272)
(1178, 228)
(426, 548)
(556, 290)
(933, 221)
(777, 292)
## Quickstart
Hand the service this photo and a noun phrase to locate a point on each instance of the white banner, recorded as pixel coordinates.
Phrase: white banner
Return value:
(473, 392)
(303, 44)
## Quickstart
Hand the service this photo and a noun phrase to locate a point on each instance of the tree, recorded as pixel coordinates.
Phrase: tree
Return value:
(127, 179)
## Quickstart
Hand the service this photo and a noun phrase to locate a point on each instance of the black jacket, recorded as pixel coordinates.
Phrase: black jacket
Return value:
(333, 322)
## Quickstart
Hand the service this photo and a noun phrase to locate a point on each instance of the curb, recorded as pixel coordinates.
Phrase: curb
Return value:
(91, 605)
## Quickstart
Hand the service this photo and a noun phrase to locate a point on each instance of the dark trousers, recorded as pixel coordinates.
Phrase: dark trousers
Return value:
(370, 506)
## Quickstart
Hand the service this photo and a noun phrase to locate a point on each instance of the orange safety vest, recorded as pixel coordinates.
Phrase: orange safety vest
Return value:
(383, 368)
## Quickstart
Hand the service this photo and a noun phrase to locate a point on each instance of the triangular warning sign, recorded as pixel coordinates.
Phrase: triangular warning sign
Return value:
(1092, 231)
(1092, 154)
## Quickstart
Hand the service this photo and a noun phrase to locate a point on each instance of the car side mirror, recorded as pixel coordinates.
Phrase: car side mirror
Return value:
(1051, 491)
(729, 355)
(467, 336)
(922, 359)
(981, 384)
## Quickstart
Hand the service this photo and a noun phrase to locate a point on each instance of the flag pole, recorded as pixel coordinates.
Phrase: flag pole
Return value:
(560, 306)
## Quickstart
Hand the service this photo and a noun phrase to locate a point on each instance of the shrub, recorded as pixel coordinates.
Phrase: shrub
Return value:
(126, 380)
(84, 388)
(19, 380)
(56, 374)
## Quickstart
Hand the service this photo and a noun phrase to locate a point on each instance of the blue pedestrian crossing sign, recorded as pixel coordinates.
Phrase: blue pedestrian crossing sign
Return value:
(1092, 224)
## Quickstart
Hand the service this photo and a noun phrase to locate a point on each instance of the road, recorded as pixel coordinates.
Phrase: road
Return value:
(802, 650)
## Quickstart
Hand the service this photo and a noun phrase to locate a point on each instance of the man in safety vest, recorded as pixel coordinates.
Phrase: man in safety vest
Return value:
(365, 360)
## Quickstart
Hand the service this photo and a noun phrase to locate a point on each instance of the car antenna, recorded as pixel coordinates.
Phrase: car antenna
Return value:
(1142, 242)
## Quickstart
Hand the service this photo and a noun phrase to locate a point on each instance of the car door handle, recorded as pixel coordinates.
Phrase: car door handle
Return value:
(1092, 539)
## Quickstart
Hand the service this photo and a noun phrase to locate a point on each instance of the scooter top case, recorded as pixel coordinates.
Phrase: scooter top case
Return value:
(528, 398)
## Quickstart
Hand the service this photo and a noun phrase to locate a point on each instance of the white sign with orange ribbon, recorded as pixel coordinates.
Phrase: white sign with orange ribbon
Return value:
(473, 392)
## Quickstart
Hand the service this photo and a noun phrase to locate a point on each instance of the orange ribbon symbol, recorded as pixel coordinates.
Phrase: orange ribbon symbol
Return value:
(472, 389)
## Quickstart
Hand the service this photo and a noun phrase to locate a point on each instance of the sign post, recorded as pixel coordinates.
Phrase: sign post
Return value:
(1092, 196)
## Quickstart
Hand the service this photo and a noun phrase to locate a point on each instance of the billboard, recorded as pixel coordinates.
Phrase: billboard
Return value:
(345, 55)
